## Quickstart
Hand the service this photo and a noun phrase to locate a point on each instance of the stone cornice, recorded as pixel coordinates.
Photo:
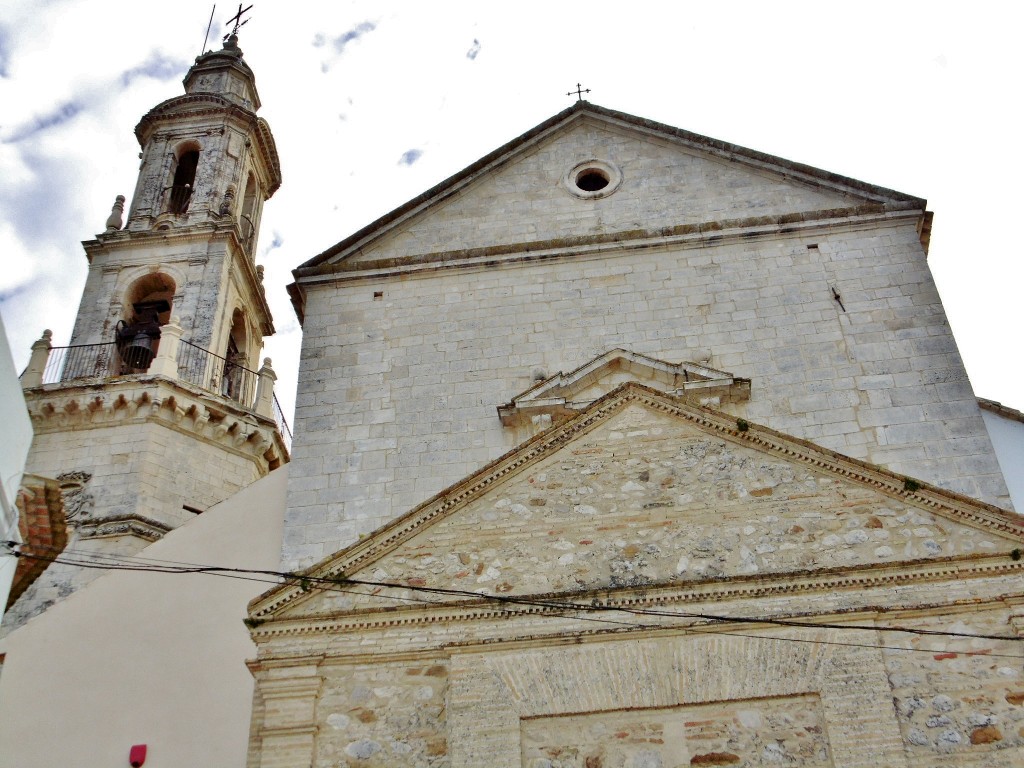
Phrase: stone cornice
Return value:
(129, 525)
(172, 404)
(864, 582)
(946, 503)
(703, 234)
(557, 396)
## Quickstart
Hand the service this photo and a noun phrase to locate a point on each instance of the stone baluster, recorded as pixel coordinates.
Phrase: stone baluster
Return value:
(116, 219)
(166, 361)
(265, 390)
(33, 376)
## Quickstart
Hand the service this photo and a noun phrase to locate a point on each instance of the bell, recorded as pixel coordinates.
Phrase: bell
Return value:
(138, 354)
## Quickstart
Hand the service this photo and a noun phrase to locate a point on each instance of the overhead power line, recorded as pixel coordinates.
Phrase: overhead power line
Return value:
(344, 585)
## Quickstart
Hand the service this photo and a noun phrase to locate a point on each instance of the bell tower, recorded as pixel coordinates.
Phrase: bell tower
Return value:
(160, 405)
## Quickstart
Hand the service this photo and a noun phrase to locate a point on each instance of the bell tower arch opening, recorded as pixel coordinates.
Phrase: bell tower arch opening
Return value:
(238, 380)
(147, 307)
(183, 178)
(250, 214)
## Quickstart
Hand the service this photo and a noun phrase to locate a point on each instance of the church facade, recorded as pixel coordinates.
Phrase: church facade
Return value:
(623, 447)
(737, 503)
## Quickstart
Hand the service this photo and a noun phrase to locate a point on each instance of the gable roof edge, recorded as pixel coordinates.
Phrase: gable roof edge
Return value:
(723, 149)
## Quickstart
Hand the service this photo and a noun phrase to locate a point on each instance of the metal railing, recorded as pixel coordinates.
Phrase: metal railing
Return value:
(196, 365)
(82, 361)
(282, 425)
(217, 374)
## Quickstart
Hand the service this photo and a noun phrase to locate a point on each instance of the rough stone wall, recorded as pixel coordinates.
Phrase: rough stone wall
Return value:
(384, 714)
(810, 697)
(646, 498)
(962, 702)
(788, 729)
(397, 392)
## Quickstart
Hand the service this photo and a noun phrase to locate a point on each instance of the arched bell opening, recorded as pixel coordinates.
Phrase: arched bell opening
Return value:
(183, 177)
(250, 214)
(147, 307)
(238, 382)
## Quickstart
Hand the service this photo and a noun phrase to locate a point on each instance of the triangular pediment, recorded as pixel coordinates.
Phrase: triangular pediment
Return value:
(561, 396)
(660, 182)
(642, 490)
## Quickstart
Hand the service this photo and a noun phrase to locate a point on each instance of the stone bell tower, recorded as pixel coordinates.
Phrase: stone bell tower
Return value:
(160, 406)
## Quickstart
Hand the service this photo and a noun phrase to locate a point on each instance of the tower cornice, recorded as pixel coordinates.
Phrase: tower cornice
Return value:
(199, 105)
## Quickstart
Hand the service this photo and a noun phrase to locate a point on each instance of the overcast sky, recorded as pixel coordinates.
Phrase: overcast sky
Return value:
(373, 102)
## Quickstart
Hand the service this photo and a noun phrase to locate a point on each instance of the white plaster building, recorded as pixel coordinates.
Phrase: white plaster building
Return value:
(1006, 428)
(13, 452)
(139, 658)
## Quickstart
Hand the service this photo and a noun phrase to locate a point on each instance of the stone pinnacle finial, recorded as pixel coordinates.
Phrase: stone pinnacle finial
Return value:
(116, 220)
(228, 201)
(231, 47)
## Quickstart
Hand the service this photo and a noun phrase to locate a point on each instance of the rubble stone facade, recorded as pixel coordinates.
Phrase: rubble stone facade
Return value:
(653, 583)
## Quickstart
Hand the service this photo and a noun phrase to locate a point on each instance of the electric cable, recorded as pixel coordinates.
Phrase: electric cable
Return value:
(335, 584)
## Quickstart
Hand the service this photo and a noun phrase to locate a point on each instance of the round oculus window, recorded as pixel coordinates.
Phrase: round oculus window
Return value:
(592, 179)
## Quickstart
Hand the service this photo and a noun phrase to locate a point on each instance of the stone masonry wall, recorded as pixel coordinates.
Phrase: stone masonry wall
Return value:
(759, 697)
(663, 185)
(398, 391)
(962, 702)
(789, 730)
(384, 714)
(144, 469)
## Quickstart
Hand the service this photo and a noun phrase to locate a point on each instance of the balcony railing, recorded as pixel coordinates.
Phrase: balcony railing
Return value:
(176, 358)
(282, 425)
(216, 374)
(82, 361)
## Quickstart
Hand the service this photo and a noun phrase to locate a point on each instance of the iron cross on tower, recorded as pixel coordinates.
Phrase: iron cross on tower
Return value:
(237, 18)
(580, 90)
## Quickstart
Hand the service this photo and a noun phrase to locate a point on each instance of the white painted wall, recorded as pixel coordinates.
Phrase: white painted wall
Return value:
(139, 658)
(17, 437)
(1008, 440)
